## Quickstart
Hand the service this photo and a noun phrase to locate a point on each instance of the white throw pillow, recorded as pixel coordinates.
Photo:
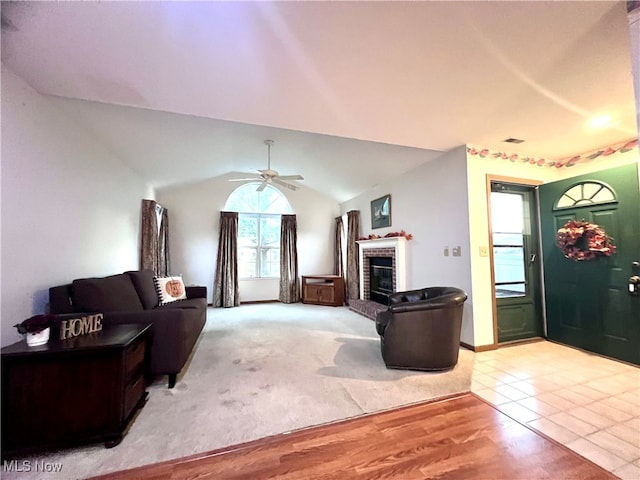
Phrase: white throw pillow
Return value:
(169, 289)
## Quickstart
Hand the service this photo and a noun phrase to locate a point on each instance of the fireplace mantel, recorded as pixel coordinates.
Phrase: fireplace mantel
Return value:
(384, 242)
(399, 248)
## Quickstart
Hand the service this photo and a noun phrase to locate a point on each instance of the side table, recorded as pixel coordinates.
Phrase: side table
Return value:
(323, 290)
(71, 392)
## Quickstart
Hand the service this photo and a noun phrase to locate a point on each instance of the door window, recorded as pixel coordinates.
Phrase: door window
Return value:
(507, 225)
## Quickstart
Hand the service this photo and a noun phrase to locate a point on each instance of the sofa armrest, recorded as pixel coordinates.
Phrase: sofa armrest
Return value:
(196, 292)
(170, 332)
(382, 320)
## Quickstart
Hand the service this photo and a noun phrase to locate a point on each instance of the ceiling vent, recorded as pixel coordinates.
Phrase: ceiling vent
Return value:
(513, 140)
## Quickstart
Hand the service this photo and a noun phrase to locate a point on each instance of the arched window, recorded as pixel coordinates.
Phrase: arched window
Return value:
(258, 229)
(585, 193)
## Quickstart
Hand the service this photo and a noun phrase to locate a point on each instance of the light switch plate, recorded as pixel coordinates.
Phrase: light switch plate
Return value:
(484, 251)
(457, 251)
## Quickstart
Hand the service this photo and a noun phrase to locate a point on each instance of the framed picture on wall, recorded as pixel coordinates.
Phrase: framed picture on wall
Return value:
(381, 212)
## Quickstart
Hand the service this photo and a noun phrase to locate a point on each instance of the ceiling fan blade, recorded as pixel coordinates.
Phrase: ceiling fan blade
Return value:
(244, 179)
(290, 177)
(262, 186)
(286, 185)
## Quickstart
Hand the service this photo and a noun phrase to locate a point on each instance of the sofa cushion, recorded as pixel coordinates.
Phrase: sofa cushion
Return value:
(413, 297)
(115, 293)
(433, 292)
(407, 296)
(169, 289)
(143, 282)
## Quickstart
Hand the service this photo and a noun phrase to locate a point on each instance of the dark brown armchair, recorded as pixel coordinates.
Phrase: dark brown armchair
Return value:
(420, 330)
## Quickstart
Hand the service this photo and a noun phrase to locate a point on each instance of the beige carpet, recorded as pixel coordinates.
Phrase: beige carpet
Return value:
(260, 370)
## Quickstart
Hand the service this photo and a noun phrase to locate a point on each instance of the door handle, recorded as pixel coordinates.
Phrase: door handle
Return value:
(532, 258)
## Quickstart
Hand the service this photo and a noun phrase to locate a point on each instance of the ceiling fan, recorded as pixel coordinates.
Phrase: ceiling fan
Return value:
(269, 176)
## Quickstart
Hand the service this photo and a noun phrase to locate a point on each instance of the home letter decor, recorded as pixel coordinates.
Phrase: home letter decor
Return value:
(80, 326)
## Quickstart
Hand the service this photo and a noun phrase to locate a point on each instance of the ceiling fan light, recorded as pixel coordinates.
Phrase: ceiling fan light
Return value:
(269, 176)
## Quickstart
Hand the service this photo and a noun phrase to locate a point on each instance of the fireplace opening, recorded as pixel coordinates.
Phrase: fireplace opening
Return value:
(380, 279)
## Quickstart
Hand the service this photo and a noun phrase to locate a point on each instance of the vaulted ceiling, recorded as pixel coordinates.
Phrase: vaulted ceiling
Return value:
(352, 92)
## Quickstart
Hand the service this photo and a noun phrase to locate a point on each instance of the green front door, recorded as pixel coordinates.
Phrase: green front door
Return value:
(516, 265)
(588, 304)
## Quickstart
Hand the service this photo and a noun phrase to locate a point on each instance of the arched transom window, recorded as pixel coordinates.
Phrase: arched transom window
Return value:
(586, 193)
(258, 229)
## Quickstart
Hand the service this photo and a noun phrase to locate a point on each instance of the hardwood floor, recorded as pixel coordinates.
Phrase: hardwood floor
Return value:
(459, 438)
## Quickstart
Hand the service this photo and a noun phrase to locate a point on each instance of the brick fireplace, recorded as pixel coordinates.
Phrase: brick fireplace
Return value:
(395, 248)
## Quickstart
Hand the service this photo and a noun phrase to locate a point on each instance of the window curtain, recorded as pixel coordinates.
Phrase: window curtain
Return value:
(338, 258)
(289, 287)
(149, 236)
(353, 269)
(154, 238)
(225, 288)
(164, 268)
(337, 254)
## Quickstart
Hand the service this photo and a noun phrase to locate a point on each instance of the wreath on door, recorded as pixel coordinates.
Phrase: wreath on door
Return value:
(580, 240)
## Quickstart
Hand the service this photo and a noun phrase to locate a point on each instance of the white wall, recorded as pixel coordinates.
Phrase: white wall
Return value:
(430, 202)
(194, 215)
(634, 34)
(70, 208)
(477, 170)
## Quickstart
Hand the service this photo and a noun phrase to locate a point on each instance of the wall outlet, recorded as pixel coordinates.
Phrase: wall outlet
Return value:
(446, 251)
(484, 251)
(457, 251)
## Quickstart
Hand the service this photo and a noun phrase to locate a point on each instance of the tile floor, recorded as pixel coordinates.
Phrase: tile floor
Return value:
(589, 403)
